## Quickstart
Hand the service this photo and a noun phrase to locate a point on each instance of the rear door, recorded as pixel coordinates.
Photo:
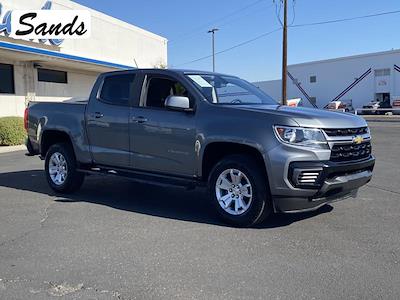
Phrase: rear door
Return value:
(163, 140)
(107, 120)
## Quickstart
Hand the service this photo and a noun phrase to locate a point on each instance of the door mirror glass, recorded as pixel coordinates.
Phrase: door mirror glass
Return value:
(177, 103)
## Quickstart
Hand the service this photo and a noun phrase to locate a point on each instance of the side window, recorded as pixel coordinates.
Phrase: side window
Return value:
(158, 89)
(117, 89)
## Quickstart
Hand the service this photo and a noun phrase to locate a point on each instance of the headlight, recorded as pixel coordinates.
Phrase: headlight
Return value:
(297, 136)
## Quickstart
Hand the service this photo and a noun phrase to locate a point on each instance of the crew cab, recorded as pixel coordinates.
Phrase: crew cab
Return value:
(201, 129)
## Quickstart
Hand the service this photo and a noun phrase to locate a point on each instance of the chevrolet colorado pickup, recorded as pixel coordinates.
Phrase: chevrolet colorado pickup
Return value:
(188, 128)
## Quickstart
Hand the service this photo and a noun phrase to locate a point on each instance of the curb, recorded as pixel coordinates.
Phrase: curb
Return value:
(7, 149)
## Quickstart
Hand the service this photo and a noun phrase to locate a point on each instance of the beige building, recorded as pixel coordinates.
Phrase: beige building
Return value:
(54, 70)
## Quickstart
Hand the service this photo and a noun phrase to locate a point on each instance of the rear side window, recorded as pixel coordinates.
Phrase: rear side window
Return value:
(117, 89)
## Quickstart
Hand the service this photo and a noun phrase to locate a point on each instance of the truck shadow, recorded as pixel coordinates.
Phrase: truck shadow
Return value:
(123, 194)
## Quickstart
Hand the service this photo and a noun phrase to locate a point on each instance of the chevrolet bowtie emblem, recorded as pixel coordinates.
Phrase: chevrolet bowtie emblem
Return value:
(358, 139)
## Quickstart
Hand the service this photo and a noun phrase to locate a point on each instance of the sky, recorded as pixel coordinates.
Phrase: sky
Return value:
(185, 24)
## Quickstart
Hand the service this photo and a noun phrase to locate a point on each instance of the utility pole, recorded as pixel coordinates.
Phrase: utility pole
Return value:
(212, 31)
(284, 55)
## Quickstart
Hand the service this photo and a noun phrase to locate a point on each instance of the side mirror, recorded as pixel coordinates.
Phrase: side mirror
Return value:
(178, 103)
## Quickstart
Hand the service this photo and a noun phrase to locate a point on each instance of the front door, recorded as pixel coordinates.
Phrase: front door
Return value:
(107, 121)
(163, 140)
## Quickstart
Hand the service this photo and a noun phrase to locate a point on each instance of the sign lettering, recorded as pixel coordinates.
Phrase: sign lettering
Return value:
(45, 25)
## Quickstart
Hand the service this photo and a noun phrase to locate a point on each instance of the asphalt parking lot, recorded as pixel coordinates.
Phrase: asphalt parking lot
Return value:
(116, 239)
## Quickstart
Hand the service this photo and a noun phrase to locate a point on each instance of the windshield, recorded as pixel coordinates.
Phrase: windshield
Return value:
(220, 89)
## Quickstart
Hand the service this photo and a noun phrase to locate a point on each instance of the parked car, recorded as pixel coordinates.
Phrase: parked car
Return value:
(396, 107)
(296, 102)
(200, 129)
(372, 108)
(340, 105)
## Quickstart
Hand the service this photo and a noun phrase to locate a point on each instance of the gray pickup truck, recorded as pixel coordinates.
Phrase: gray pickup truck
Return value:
(189, 128)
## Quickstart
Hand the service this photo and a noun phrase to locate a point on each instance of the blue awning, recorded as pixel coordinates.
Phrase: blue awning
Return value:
(31, 50)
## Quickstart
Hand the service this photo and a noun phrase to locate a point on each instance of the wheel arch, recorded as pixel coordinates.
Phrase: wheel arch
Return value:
(215, 151)
(50, 137)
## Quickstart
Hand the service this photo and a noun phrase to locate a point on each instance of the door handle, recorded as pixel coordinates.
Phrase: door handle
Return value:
(139, 119)
(98, 115)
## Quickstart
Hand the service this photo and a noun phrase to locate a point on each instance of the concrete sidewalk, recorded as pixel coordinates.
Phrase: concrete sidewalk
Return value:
(6, 149)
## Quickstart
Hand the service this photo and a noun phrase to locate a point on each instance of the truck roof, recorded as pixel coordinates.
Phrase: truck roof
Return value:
(166, 71)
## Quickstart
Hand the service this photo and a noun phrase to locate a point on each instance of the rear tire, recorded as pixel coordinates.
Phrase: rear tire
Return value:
(239, 191)
(60, 167)
(29, 147)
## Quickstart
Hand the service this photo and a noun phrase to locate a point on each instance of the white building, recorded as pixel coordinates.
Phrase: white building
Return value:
(42, 70)
(358, 79)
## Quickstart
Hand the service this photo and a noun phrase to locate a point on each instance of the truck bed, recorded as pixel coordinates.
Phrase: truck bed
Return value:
(67, 116)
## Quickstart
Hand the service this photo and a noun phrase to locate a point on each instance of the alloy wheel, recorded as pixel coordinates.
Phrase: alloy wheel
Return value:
(234, 191)
(58, 168)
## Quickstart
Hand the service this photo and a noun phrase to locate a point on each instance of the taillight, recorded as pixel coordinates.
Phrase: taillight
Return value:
(26, 114)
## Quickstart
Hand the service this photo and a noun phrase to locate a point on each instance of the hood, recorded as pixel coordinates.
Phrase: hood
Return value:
(309, 117)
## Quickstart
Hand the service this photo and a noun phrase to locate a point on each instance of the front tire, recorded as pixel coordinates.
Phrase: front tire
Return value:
(60, 167)
(239, 191)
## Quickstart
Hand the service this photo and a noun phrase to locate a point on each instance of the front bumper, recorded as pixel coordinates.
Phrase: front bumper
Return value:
(335, 181)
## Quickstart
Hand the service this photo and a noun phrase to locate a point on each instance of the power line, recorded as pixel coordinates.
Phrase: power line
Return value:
(278, 11)
(201, 27)
(231, 48)
(235, 19)
(294, 11)
(346, 19)
(293, 26)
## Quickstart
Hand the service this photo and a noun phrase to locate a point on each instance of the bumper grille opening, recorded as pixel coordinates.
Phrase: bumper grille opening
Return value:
(348, 152)
(345, 173)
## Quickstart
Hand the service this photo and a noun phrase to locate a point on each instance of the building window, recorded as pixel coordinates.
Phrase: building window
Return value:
(47, 75)
(313, 100)
(6, 79)
(382, 72)
(313, 79)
